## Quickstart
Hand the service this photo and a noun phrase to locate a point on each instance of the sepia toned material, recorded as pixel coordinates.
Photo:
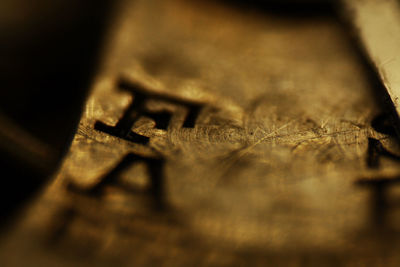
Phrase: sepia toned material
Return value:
(377, 25)
(221, 136)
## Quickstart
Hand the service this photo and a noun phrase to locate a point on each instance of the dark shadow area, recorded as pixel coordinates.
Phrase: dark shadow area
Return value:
(377, 150)
(290, 8)
(382, 124)
(48, 51)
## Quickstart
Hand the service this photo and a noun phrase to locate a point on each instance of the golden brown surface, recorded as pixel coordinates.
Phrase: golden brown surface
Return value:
(377, 24)
(269, 174)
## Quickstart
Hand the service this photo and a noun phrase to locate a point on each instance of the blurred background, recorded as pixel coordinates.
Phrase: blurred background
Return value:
(270, 175)
(48, 52)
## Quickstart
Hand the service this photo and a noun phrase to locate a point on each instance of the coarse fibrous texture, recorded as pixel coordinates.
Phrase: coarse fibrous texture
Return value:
(218, 136)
